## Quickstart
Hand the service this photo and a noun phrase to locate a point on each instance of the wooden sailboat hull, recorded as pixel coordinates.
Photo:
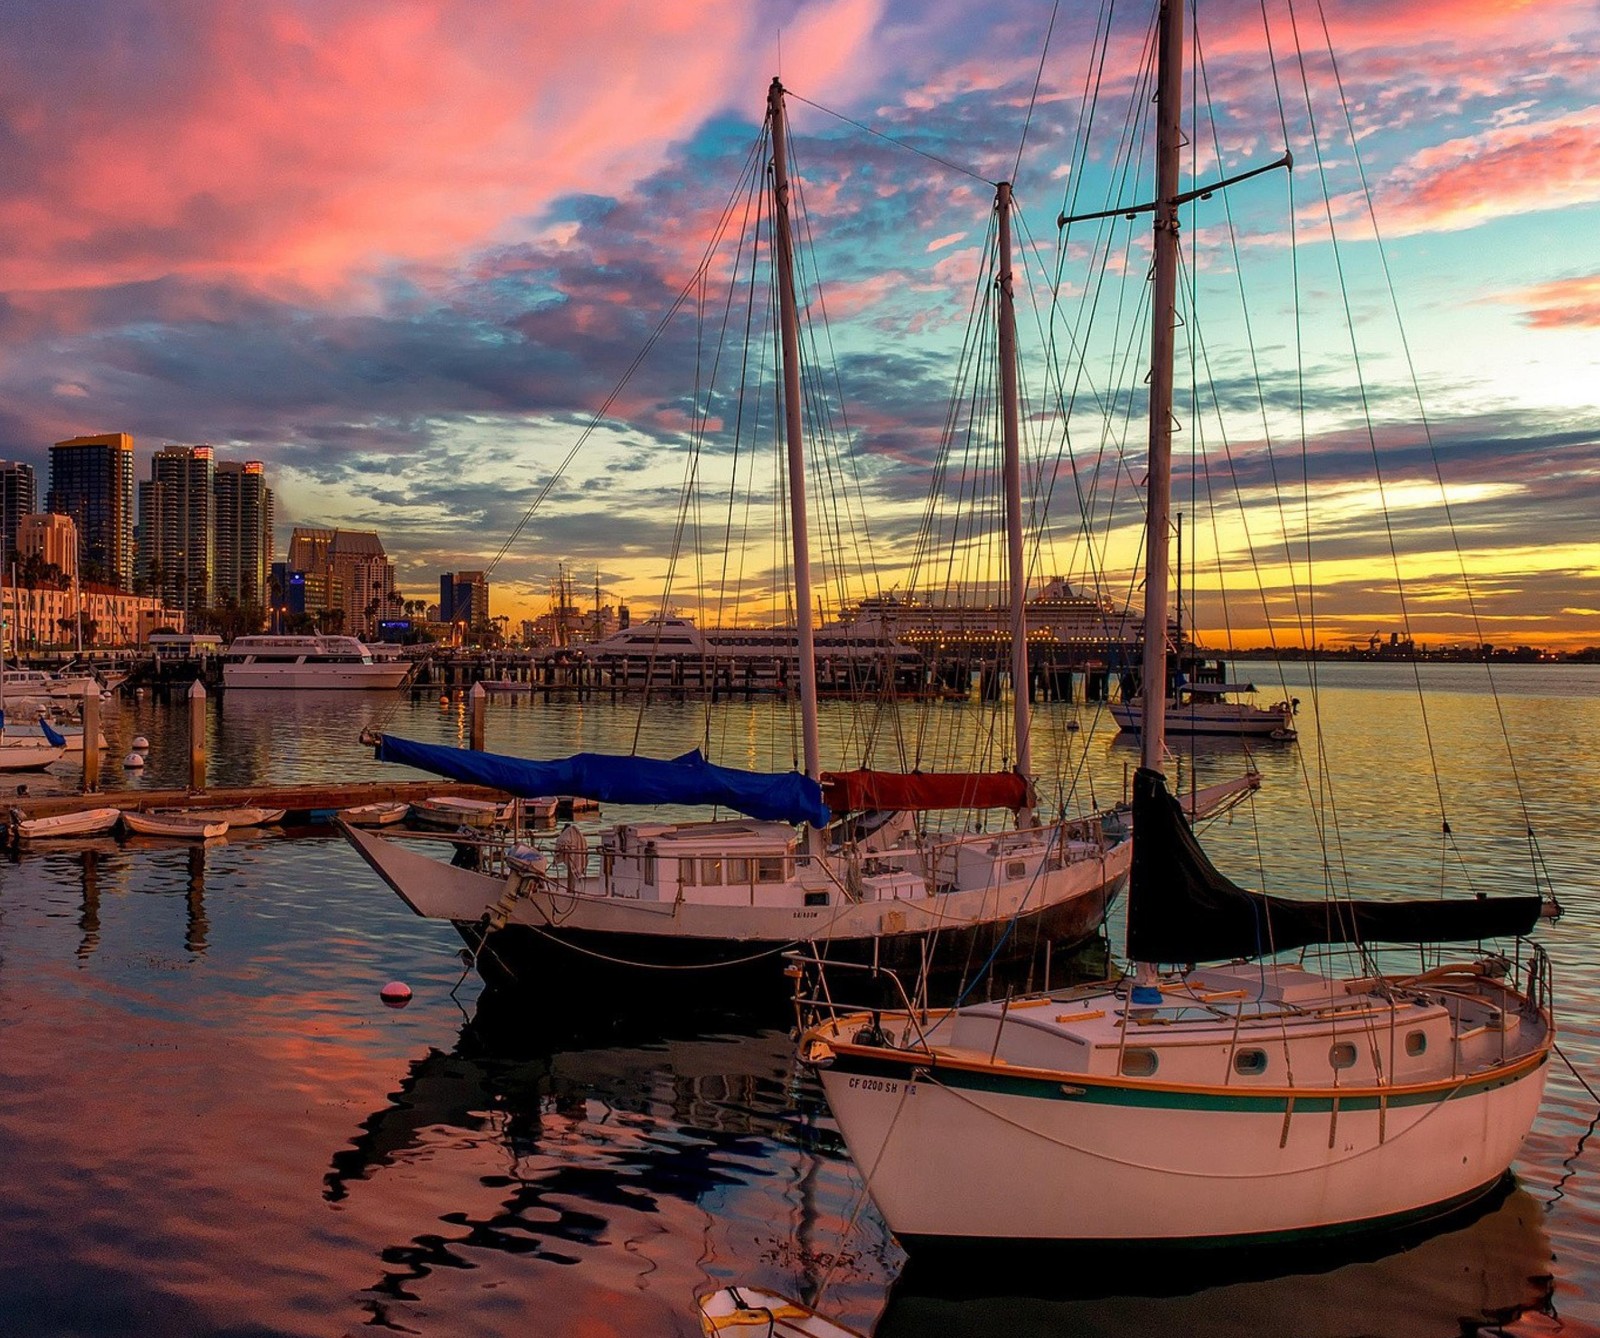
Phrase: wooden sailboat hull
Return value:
(552, 939)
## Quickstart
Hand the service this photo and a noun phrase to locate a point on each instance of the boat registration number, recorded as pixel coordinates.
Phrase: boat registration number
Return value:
(880, 1085)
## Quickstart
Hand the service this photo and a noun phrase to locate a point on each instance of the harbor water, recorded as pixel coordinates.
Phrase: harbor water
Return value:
(211, 1124)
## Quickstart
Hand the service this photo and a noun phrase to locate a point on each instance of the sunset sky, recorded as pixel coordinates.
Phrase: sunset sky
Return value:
(401, 252)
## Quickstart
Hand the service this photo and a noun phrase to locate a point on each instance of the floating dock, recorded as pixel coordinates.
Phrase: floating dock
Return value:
(302, 804)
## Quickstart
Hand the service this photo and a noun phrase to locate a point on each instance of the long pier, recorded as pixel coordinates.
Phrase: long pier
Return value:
(305, 804)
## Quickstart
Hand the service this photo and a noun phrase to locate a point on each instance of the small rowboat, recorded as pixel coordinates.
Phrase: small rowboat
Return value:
(451, 812)
(234, 817)
(375, 815)
(88, 822)
(187, 827)
(753, 1310)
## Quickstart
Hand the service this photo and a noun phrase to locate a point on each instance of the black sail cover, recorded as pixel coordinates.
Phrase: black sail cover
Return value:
(1180, 909)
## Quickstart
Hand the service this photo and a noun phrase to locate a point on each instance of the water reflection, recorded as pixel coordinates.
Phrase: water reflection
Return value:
(1490, 1270)
(672, 1160)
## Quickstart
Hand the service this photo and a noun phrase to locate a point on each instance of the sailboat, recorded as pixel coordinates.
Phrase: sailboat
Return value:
(1259, 1101)
(839, 859)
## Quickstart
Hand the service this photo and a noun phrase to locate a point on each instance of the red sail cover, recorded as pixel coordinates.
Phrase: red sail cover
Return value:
(846, 791)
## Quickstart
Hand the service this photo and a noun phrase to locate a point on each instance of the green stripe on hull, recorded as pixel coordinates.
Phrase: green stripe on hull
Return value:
(1070, 1087)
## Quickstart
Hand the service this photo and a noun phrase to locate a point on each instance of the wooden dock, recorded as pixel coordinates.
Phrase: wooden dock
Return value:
(302, 804)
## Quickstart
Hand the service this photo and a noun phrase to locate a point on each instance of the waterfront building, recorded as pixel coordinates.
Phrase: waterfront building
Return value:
(286, 592)
(175, 549)
(19, 497)
(347, 574)
(54, 539)
(243, 544)
(91, 480)
(464, 600)
(45, 618)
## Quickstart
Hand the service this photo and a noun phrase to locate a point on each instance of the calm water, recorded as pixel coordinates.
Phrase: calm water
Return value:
(210, 1124)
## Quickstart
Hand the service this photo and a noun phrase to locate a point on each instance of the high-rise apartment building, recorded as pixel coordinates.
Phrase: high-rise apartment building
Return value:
(243, 533)
(91, 480)
(19, 497)
(176, 547)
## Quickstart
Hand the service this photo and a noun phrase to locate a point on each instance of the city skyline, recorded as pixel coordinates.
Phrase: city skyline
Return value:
(402, 258)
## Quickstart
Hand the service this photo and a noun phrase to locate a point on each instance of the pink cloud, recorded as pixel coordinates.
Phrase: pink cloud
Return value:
(299, 147)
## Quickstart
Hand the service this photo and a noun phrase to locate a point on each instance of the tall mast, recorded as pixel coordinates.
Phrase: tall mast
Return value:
(789, 354)
(1011, 468)
(1163, 309)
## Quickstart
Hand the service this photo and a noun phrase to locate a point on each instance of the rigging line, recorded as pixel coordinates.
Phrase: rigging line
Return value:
(1366, 409)
(1033, 98)
(1422, 412)
(600, 414)
(890, 139)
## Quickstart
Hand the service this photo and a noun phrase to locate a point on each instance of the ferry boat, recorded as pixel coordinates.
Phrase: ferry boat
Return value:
(316, 662)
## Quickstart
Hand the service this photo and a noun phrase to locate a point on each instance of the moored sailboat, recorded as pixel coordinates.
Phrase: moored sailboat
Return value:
(838, 859)
(1260, 1101)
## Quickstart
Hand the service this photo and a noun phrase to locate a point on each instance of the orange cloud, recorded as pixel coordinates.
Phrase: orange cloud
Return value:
(1563, 303)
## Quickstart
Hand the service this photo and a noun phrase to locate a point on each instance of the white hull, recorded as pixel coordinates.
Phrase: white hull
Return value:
(1223, 718)
(184, 828)
(1032, 1130)
(778, 913)
(25, 755)
(319, 677)
(89, 822)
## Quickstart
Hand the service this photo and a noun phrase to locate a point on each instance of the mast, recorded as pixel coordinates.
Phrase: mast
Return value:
(1011, 468)
(789, 354)
(1163, 309)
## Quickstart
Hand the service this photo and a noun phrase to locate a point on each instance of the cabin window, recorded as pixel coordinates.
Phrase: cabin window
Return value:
(1139, 1063)
(647, 866)
(1250, 1062)
(738, 871)
(711, 872)
(1342, 1055)
(1016, 868)
(769, 869)
(1416, 1043)
(686, 872)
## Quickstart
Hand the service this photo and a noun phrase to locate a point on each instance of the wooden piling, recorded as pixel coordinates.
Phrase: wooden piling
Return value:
(197, 737)
(91, 738)
(477, 700)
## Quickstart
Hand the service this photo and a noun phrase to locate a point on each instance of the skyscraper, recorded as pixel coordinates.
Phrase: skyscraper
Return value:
(91, 480)
(176, 555)
(19, 497)
(243, 533)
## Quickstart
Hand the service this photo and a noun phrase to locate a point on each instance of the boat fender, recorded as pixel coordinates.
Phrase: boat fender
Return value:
(133, 761)
(140, 743)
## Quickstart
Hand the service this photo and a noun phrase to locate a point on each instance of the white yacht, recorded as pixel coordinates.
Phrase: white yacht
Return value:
(307, 662)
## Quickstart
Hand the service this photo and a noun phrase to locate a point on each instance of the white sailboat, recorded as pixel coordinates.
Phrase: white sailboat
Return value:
(836, 859)
(1261, 1101)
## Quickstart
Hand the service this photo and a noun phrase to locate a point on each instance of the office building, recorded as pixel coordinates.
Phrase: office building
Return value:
(464, 599)
(243, 544)
(346, 573)
(91, 480)
(19, 497)
(176, 538)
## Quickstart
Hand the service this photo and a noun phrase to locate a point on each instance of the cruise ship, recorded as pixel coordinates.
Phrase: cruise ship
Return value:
(317, 662)
(1059, 613)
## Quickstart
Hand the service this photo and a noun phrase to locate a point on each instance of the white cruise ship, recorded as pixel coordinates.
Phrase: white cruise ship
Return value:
(308, 662)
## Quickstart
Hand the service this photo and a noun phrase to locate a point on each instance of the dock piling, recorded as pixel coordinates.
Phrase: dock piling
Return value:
(91, 738)
(197, 737)
(477, 700)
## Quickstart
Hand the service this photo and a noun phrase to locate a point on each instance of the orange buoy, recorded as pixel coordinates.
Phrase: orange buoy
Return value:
(397, 994)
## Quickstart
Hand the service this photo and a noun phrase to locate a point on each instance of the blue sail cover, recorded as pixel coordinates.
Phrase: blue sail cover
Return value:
(55, 740)
(618, 779)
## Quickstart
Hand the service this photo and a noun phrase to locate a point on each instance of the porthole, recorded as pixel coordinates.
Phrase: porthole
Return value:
(1139, 1063)
(1342, 1055)
(1250, 1062)
(1015, 869)
(1416, 1043)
